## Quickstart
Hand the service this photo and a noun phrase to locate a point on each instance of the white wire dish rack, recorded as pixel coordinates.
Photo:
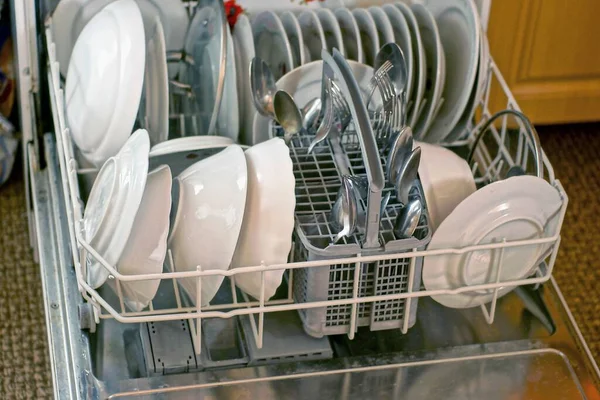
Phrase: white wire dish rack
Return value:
(359, 300)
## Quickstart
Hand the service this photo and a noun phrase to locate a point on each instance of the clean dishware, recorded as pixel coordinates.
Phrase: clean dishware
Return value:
(262, 83)
(408, 219)
(113, 204)
(104, 81)
(312, 34)
(519, 208)
(420, 64)
(62, 21)
(459, 30)
(287, 114)
(243, 44)
(328, 118)
(146, 246)
(271, 43)
(400, 149)
(310, 114)
(368, 34)
(407, 175)
(398, 77)
(210, 199)
(446, 180)
(344, 213)
(384, 27)
(294, 35)
(270, 207)
(154, 107)
(331, 30)
(434, 54)
(189, 143)
(350, 34)
(402, 37)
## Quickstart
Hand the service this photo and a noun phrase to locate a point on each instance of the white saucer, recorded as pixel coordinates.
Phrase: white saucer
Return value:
(517, 208)
(243, 45)
(113, 204)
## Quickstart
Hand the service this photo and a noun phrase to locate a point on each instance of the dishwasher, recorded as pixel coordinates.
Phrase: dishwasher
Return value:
(374, 343)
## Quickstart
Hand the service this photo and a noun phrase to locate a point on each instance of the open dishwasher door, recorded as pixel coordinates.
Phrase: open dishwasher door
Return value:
(529, 347)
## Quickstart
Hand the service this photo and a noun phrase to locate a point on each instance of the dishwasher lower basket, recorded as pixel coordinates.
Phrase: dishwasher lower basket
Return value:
(503, 147)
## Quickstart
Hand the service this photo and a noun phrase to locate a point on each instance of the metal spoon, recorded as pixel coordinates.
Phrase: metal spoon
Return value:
(400, 149)
(407, 175)
(408, 219)
(328, 118)
(345, 210)
(287, 114)
(310, 114)
(262, 83)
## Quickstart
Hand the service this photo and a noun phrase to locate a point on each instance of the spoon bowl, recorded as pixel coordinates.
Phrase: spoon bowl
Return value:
(408, 219)
(287, 114)
(262, 83)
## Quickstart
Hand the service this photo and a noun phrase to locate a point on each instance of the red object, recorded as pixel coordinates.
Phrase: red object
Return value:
(232, 11)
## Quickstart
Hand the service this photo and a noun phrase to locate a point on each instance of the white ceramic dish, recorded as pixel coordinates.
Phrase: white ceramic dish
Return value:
(350, 34)
(243, 44)
(147, 244)
(104, 81)
(420, 64)
(271, 43)
(113, 204)
(446, 180)
(459, 31)
(518, 208)
(63, 18)
(384, 27)
(294, 35)
(270, 210)
(403, 39)
(331, 30)
(228, 121)
(154, 107)
(435, 72)
(368, 34)
(304, 84)
(313, 35)
(210, 197)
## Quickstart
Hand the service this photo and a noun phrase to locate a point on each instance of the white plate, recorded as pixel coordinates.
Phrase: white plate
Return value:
(435, 73)
(61, 24)
(211, 198)
(313, 35)
(154, 107)
(384, 27)
(113, 204)
(420, 64)
(459, 28)
(294, 35)
(104, 81)
(518, 208)
(304, 84)
(147, 244)
(270, 210)
(271, 43)
(403, 39)
(368, 34)
(351, 34)
(228, 121)
(243, 44)
(331, 30)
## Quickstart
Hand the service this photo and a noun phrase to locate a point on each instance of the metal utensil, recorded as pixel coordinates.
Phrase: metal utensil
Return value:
(345, 210)
(398, 75)
(287, 114)
(407, 175)
(262, 83)
(328, 117)
(408, 219)
(400, 149)
(310, 114)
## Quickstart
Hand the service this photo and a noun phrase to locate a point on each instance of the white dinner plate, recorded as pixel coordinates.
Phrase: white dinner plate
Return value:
(403, 39)
(228, 121)
(147, 244)
(350, 34)
(420, 64)
(294, 35)
(517, 208)
(331, 30)
(154, 105)
(243, 44)
(113, 204)
(368, 34)
(435, 69)
(271, 43)
(384, 26)
(313, 35)
(459, 29)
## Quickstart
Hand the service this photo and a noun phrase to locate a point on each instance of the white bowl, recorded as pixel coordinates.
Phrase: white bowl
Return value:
(446, 179)
(266, 235)
(210, 197)
(104, 80)
(147, 244)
